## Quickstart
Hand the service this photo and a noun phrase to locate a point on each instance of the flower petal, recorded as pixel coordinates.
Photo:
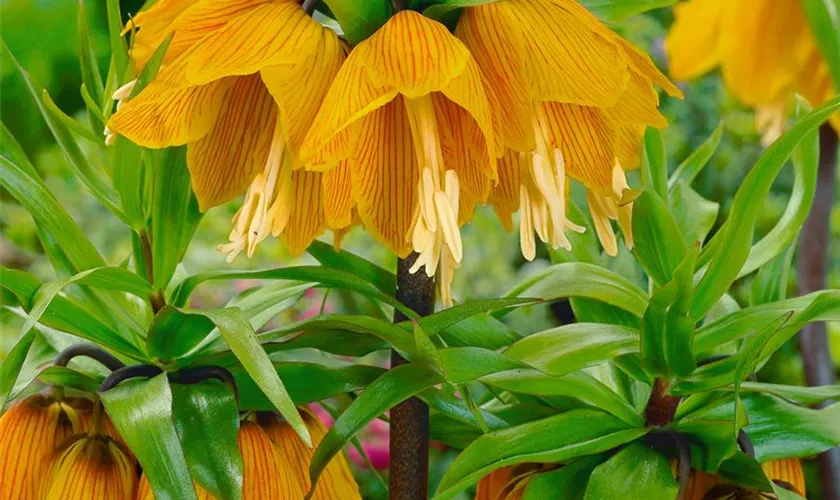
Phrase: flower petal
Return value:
(385, 176)
(628, 146)
(226, 160)
(571, 56)
(163, 115)
(299, 89)
(505, 195)
(306, 219)
(338, 196)
(486, 31)
(642, 63)
(154, 25)
(758, 67)
(267, 35)
(266, 470)
(581, 133)
(693, 44)
(639, 104)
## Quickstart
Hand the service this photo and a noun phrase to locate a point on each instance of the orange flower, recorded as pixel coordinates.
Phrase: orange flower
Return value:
(336, 481)
(30, 431)
(408, 112)
(573, 102)
(90, 468)
(241, 82)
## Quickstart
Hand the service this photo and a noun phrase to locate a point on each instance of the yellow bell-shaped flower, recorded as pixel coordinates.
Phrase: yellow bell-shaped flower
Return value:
(241, 82)
(573, 100)
(90, 467)
(409, 113)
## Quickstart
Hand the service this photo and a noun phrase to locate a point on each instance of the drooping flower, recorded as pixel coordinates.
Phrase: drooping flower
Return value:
(241, 82)
(335, 482)
(573, 101)
(506, 483)
(409, 114)
(786, 473)
(90, 467)
(267, 473)
(30, 431)
(763, 47)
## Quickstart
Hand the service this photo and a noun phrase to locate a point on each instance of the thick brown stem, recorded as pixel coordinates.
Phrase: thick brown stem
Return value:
(661, 406)
(409, 445)
(813, 267)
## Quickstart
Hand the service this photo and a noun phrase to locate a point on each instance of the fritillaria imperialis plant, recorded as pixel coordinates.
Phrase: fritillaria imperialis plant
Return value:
(404, 121)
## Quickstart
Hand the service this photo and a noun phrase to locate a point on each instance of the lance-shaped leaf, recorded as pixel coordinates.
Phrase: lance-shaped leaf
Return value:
(655, 164)
(688, 170)
(616, 11)
(327, 256)
(824, 19)
(360, 18)
(634, 473)
(659, 245)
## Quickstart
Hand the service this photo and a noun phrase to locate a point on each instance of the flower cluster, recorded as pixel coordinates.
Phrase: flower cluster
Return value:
(57, 448)
(765, 51)
(407, 132)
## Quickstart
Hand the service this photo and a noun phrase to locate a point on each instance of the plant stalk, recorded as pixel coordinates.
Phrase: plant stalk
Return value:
(813, 265)
(409, 440)
(661, 406)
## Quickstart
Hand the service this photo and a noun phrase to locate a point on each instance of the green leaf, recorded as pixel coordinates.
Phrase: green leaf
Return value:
(360, 18)
(616, 11)
(655, 164)
(735, 241)
(794, 393)
(569, 348)
(751, 351)
(174, 333)
(695, 215)
(129, 168)
(67, 377)
(465, 364)
(327, 256)
(554, 439)
(784, 233)
(119, 51)
(306, 383)
(11, 367)
(393, 387)
(237, 332)
(69, 124)
(577, 385)
(568, 482)
(694, 164)
(91, 178)
(62, 314)
(658, 243)
(207, 422)
(142, 413)
(634, 473)
(427, 352)
(329, 277)
(481, 330)
(441, 320)
(667, 332)
(91, 75)
(770, 284)
(174, 215)
(824, 19)
(576, 279)
(447, 10)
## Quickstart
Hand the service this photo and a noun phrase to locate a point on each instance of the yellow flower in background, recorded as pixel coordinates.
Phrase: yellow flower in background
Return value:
(572, 101)
(764, 49)
(240, 88)
(336, 481)
(409, 115)
(30, 431)
(90, 468)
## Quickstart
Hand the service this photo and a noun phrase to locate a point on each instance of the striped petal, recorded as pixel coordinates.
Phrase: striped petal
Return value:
(628, 146)
(571, 57)
(299, 89)
(385, 175)
(274, 33)
(758, 67)
(338, 196)
(154, 25)
(306, 212)
(693, 44)
(505, 195)
(163, 115)
(144, 491)
(335, 482)
(486, 32)
(787, 474)
(638, 104)
(266, 471)
(583, 136)
(642, 64)
(90, 468)
(30, 431)
(224, 162)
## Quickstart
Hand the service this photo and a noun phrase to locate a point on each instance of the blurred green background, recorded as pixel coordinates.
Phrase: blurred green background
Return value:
(42, 36)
